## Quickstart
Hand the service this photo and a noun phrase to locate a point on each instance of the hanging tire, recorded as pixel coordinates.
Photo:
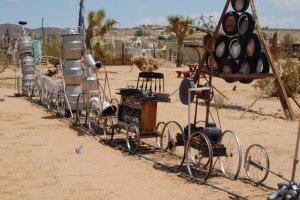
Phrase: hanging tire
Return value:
(262, 63)
(246, 24)
(221, 46)
(212, 62)
(237, 47)
(246, 67)
(240, 5)
(229, 66)
(253, 45)
(230, 23)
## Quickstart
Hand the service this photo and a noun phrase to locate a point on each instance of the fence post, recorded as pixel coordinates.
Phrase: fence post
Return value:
(123, 53)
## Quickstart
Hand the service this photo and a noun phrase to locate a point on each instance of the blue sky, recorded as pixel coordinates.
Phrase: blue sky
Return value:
(129, 13)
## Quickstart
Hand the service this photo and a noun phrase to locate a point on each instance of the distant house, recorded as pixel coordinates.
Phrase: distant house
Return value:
(164, 37)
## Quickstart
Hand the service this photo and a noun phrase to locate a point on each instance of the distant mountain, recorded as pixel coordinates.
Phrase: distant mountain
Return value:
(16, 30)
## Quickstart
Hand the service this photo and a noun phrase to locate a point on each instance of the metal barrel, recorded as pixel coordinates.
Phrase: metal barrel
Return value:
(27, 67)
(72, 45)
(25, 45)
(72, 72)
(72, 92)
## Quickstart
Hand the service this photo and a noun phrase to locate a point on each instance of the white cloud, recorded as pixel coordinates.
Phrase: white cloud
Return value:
(291, 5)
(153, 21)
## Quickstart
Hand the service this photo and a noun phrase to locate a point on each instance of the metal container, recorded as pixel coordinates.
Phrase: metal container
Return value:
(72, 72)
(90, 84)
(72, 92)
(27, 65)
(25, 45)
(72, 45)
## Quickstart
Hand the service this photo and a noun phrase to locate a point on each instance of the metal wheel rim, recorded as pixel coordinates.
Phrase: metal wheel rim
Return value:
(173, 154)
(157, 129)
(194, 169)
(225, 161)
(93, 120)
(263, 153)
(130, 139)
(106, 123)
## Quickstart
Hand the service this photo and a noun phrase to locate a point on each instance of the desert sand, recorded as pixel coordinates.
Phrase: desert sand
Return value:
(38, 159)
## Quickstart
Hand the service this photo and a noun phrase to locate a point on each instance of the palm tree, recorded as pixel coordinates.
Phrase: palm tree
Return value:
(180, 26)
(96, 25)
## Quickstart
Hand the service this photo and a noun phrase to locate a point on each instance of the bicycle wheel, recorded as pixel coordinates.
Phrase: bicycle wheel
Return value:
(199, 158)
(159, 129)
(81, 110)
(93, 119)
(257, 163)
(106, 128)
(231, 163)
(43, 94)
(60, 104)
(198, 22)
(49, 101)
(172, 145)
(132, 138)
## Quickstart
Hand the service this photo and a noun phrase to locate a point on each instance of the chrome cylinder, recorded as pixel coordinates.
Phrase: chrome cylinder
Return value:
(25, 45)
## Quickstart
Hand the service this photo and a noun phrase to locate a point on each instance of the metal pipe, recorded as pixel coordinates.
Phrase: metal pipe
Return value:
(296, 161)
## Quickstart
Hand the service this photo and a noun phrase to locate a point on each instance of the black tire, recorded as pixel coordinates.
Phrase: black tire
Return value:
(221, 46)
(253, 45)
(237, 47)
(246, 24)
(246, 66)
(230, 23)
(261, 63)
(240, 5)
(229, 66)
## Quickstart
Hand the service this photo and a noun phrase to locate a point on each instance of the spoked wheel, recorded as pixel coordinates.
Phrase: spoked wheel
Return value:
(37, 87)
(231, 163)
(81, 110)
(159, 129)
(199, 158)
(256, 162)
(172, 144)
(106, 129)
(93, 119)
(50, 101)
(43, 94)
(60, 104)
(132, 138)
(31, 88)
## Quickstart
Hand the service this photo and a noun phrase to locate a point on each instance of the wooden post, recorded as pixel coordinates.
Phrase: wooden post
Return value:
(123, 53)
(279, 84)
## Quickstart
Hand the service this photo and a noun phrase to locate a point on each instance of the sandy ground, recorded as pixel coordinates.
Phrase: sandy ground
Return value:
(38, 160)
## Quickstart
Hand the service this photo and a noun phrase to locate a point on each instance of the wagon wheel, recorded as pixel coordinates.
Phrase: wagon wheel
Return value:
(172, 145)
(198, 148)
(132, 138)
(81, 110)
(159, 129)
(231, 163)
(204, 161)
(50, 101)
(43, 94)
(255, 157)
(37, 87)
(31, 88)
(60, 104)
(93, 119)
(106, 132)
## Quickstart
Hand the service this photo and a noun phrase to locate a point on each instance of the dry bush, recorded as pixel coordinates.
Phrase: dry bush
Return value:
(145, 63)
(219, 100)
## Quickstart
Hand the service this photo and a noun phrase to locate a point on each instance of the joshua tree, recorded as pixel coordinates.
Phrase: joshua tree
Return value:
(180, 26)
(96, 25)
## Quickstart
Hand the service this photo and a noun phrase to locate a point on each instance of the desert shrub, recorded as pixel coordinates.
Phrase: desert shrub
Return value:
(52, 49)
(219, 100)
(145, 63)
(290, 75)
(100, 51)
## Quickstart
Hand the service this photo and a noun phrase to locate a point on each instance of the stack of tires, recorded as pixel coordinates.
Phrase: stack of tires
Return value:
(72, 51)
(27, 62)
(239, 50)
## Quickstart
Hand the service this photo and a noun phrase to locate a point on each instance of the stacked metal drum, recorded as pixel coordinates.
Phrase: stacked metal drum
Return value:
(239, 50)
(72, 51)
(27, 62)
